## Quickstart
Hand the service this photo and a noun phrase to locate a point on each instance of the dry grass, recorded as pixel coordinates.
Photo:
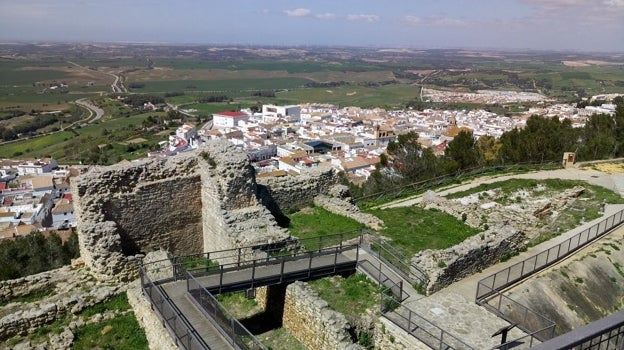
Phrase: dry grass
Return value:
(610, 168)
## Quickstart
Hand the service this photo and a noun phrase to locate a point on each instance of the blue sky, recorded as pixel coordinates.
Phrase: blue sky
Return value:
(579, 25)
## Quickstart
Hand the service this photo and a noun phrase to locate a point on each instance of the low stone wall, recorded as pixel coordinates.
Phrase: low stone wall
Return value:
(157, 335)
(344, 208)
(22, 322)
(443, 267)
(310, 319)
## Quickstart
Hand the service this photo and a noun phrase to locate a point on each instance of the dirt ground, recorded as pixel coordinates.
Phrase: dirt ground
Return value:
(610, 168)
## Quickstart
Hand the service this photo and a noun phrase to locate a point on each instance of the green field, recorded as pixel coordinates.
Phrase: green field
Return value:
(223, 85)
(72, 146)
(383, 96)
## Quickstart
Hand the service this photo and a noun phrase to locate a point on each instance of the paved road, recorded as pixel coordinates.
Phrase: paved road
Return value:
(93, 109)
(116, 86)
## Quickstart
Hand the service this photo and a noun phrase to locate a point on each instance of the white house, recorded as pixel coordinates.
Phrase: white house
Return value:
(63, 214)
(38, 166)
(228, 119)
(291, 113)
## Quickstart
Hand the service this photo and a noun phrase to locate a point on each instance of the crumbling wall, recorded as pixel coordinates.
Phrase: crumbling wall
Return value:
(128, 209)
(232, 215)
(195, 202)
(445, 266)
(310, 319)
(290, 193)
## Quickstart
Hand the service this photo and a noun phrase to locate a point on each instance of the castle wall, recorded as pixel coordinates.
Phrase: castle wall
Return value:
(126, 210)
(291, 193)
(310, 319)
(191, 203)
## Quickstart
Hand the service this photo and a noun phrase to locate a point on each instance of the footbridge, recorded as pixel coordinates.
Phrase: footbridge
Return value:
(182, 289)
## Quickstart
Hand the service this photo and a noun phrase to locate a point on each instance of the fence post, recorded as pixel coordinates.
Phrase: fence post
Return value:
(310, 264)
(239, 258)
(221, 278)
(253, 272)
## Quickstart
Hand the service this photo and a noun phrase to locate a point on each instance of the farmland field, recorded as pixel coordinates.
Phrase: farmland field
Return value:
(186, 76)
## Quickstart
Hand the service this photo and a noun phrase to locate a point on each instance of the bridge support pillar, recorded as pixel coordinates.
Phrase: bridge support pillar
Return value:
(271, 299)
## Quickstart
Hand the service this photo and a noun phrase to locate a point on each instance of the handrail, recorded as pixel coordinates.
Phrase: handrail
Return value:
(234, 330)
(513, 274)
(425, 330)
(190, 339)
(492, 287)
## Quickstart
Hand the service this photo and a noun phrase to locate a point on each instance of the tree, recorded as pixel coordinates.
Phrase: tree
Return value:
(598, 137)
(463, 150)
(489, 149)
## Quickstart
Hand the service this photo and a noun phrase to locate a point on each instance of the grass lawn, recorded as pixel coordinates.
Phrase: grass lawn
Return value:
(316, 221)
(120, 333)
(349, 296)
(413, 229)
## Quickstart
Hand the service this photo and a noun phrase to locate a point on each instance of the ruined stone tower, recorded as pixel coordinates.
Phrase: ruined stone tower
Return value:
(199, 201)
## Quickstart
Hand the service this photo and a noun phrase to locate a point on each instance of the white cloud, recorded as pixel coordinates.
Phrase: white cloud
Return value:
(327, 16)
(436, 20)
(362, 17)
(300, 12)
(413, 19)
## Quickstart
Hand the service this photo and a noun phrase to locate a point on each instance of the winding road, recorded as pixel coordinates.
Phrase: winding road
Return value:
(93, 109)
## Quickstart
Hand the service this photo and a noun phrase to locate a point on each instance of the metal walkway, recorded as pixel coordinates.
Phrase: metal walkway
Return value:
(196, 320)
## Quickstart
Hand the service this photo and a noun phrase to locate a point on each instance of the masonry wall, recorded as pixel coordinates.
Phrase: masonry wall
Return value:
(129, 209)
(232, 215)
(310, 319)
(446, 266)
(291, 193)
(191, 203)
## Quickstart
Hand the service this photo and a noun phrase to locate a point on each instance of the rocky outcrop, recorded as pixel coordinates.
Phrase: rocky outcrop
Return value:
(310, 319)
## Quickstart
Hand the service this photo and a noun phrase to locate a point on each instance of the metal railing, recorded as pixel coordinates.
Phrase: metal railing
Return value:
(489, 290)
(181, 330)
(276, 270)
(604, 334)
(375, 272)
(424, 330)
(396, 260)
(227, 324)
(511, 275)
(537, 327)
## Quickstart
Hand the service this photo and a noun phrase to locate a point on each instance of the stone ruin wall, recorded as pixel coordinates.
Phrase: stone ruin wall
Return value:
(292, 193)
(310, 319)
(129, 209)
(199, 201)
(444, 267)
(233, 217)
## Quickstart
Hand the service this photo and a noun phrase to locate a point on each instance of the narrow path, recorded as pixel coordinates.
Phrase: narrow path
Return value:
(614, 182)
